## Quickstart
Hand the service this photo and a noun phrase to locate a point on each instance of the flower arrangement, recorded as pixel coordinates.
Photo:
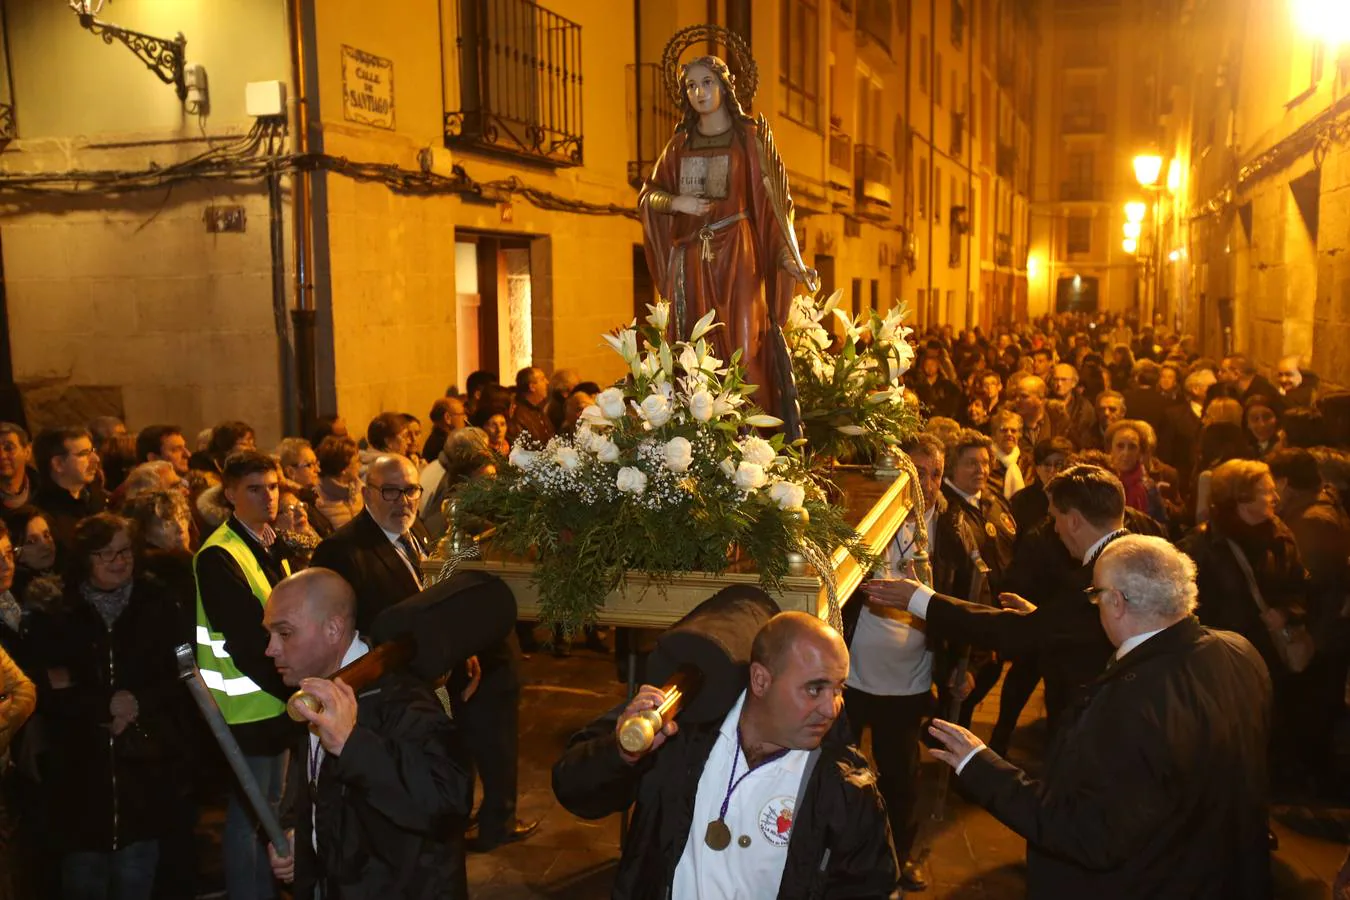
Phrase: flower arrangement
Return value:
(853, 403)
(667, 471)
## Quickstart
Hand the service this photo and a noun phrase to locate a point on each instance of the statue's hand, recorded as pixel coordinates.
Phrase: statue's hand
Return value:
(691, 205)
(790, 266)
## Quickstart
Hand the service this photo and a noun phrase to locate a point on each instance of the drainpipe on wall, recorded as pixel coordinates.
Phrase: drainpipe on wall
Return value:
(302, 315)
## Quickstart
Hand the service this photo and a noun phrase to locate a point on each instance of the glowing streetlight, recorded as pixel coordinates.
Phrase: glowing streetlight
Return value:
(1174, 255)
(1033, 267)
(1129, 245)
(1323, 20)
(1147, 168)
(1132, 230)
(1135, 210)
(1174, 176)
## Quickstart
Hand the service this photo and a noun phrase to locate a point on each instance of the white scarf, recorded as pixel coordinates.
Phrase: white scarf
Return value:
(1013, 480)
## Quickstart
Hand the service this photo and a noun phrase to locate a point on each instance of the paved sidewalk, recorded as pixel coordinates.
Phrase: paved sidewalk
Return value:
(972, 855)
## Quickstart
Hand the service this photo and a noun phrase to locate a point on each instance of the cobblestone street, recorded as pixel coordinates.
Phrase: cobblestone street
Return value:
(972, 855)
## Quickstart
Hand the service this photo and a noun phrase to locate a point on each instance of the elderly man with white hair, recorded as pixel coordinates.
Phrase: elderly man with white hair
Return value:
(1156, 787)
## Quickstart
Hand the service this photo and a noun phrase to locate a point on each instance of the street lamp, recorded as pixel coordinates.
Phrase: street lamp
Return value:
(1327, 21)
(1129, 245)
(1147, 168)
(1135, 210)
(1132, 230)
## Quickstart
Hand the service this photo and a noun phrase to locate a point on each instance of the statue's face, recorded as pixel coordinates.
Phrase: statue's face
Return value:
(704, 90)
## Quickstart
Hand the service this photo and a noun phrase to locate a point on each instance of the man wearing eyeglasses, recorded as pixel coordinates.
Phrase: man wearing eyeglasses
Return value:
(67, 466)
(1156, 784)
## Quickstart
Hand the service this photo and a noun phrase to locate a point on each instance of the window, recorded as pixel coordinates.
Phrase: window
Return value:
(1081, 166)
(799, 61)
(937, 80)
(958, 23)
(520, 83)
(923, 63)
(937, 193)
(1079, 236)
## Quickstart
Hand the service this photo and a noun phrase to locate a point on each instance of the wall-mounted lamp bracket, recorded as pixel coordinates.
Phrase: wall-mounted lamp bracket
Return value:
(162, 56)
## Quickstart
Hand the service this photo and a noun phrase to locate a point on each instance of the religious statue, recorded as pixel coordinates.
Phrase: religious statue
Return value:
(717, 219)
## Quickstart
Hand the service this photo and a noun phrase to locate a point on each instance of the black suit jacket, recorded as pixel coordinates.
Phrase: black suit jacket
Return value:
(391, 808)
(362, 554)
(1156, 786)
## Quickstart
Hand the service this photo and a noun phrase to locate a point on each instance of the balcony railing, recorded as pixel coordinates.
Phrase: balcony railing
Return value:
(1083, 123)
(8, 127)
(1080, 190)
(1005, 160)
(654, 120)
(875, 20)
(520, 82)
(872, 169)
(1003, 254)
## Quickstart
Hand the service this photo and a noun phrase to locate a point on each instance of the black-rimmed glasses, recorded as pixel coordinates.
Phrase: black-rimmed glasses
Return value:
(391, 493)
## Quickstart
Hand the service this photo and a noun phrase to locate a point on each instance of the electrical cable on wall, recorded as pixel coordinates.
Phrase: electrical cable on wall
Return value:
(241, 160)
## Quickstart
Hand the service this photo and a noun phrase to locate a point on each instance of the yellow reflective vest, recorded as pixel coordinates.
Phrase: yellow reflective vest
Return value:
(239, 697)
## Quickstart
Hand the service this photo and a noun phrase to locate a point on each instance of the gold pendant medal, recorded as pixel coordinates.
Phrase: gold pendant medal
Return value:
(718, 835)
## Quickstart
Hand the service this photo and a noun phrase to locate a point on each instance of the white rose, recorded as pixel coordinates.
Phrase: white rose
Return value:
(787, 495)
(610, 402)
(678, 454)
(604, 449)
(522, 458)
(757, 450)
(656, 410)
(701, 406)
(728, 468)
(750, 476)
(568, 458)
(593, 416)
(631, 480)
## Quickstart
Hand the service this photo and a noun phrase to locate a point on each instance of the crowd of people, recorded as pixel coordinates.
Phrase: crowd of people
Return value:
(116, 548)
(1044, 443)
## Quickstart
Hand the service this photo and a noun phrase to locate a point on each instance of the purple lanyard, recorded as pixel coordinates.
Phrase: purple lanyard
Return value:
(733, 782)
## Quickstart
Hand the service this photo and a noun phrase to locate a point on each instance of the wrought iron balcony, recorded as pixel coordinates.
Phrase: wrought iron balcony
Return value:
(872, 170)
(1005, 160)
(875, 20)
(1083, 123)
(520, 82)
(8, 128)
(654, 120)
(1080, 190)
(1003, 250)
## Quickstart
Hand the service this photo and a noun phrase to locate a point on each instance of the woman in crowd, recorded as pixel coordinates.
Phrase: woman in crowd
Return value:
(338, 496)
(1121, 367)
(300, 468)
(34, 547)
(1030, 505)
(226, 438)
(297, 537)
(117, 457)
(467, 454)
(1219, 442)
(1252, 581)
(1262, 424)
(18, 697)
(1222, 409)
(164, 527)
(1150, 485)
(103, 657)
(495, 427)
(1005, 474)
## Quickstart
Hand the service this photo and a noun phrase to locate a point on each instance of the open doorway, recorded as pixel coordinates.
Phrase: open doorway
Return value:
(503, 310)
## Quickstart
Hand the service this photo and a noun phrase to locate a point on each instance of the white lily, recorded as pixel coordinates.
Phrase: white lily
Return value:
(660, 315)
(853, 430)
(703, 325)
(763, 420)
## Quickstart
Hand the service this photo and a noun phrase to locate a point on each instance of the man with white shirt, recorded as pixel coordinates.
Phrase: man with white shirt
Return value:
(1157, 785)
(890, 679)
(769, 802)
(374, 789)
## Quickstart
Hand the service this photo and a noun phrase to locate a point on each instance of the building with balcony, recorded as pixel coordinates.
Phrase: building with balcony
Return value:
(1096, 106)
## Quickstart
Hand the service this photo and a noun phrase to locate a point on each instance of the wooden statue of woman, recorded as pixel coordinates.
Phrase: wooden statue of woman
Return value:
(717, 221)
